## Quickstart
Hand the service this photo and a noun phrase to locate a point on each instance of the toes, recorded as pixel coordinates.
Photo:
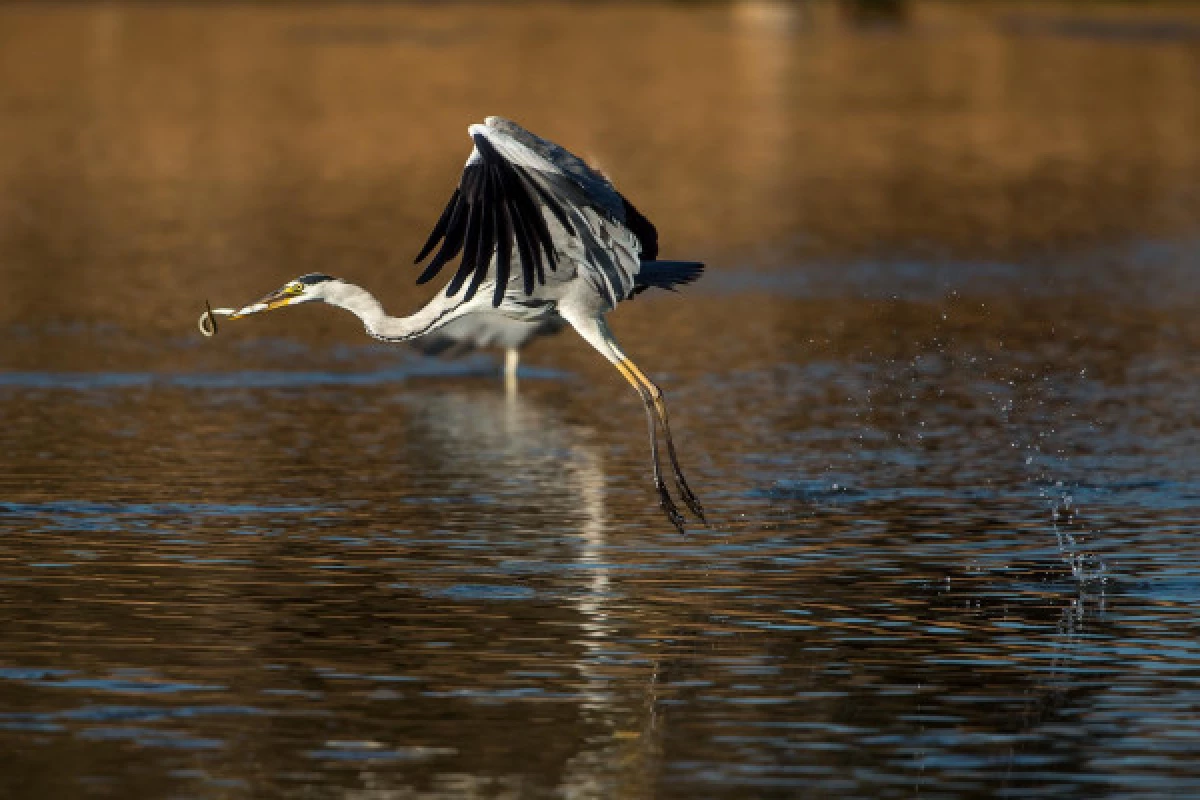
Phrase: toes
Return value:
(694, 505)
(668, 506)
(689, 499)
(676, 519)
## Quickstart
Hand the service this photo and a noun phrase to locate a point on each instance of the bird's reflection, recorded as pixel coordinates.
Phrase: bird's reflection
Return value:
(559, 464)
(562, 467)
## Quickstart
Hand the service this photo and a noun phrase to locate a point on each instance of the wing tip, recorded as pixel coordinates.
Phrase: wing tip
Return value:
(490, 124)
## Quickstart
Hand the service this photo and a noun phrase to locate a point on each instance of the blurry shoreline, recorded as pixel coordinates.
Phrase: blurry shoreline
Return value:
(155, 154)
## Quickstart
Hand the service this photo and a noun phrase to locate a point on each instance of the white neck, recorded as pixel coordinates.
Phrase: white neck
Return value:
(362, 304)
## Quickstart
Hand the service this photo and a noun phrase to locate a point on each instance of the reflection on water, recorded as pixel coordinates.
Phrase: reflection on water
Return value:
(938, 391)
(936, 563)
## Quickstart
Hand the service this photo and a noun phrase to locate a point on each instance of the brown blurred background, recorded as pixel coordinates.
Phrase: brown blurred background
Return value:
(153, 155)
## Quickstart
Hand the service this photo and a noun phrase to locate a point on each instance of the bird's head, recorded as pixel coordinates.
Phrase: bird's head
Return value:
(305, 289)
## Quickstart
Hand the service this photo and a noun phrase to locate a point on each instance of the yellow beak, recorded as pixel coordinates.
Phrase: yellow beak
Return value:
(269, 303)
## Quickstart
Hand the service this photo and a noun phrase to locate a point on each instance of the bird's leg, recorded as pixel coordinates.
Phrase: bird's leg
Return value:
(660, 405)
(512, 357)
(664, 498)
(595, 330)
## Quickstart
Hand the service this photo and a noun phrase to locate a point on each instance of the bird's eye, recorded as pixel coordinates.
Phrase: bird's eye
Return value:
(295, 288)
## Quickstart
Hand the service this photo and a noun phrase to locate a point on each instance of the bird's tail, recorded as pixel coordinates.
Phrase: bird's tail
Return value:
(667, 274)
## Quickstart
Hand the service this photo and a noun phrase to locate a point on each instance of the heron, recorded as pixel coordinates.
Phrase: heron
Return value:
(488, 330)
(542, 240)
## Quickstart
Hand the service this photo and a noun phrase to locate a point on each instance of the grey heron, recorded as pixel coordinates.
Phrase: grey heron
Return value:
(488, 330)
(542, 239)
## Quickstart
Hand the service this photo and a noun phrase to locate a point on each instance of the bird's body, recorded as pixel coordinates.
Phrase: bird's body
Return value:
(484, 331)
(542, 241)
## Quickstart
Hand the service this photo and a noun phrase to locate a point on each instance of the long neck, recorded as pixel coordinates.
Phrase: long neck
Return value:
(362, 304)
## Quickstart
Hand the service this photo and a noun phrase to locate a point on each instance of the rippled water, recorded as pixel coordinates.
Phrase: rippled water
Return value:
(947, 440)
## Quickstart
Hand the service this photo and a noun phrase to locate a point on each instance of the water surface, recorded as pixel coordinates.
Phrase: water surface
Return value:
(938, 392)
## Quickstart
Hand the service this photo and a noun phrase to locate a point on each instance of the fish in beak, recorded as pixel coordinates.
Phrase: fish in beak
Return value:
(296, 291)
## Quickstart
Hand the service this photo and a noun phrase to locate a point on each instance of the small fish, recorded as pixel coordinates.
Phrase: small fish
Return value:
(208, 323)
(208, 320)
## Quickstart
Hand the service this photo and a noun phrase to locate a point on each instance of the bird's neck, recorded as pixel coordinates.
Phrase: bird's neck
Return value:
(362, 304)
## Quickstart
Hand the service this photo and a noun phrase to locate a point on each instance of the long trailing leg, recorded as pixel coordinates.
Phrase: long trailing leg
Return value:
(596, 332)
(664, 497)
(660, 405)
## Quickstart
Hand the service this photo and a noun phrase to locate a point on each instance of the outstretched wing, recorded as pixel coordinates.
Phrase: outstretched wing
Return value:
(521, 203)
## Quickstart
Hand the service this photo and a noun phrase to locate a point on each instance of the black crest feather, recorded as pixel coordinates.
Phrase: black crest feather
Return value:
(313, 278)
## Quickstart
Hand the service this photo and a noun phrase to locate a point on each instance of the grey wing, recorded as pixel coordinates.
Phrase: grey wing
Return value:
(475, 330)
(525, 202)
(601, 191)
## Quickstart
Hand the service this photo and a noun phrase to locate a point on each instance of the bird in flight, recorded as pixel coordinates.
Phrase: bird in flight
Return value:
(541, 239)
(488, 330)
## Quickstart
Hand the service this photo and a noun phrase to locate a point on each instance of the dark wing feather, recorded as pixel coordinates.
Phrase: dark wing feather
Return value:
(525, 251)
(471, 242)
(504, 247)
(439, 230)
(535, 233)
(504, 211)
(487, 245)
(542, 229)
(643, 229)
(454, 236)
(496, 206)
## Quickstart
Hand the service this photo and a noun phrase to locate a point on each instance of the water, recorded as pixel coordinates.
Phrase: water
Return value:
(938, 394)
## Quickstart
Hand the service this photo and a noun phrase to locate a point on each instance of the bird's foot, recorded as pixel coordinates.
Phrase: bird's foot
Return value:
(668, 506)
(689, 499)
